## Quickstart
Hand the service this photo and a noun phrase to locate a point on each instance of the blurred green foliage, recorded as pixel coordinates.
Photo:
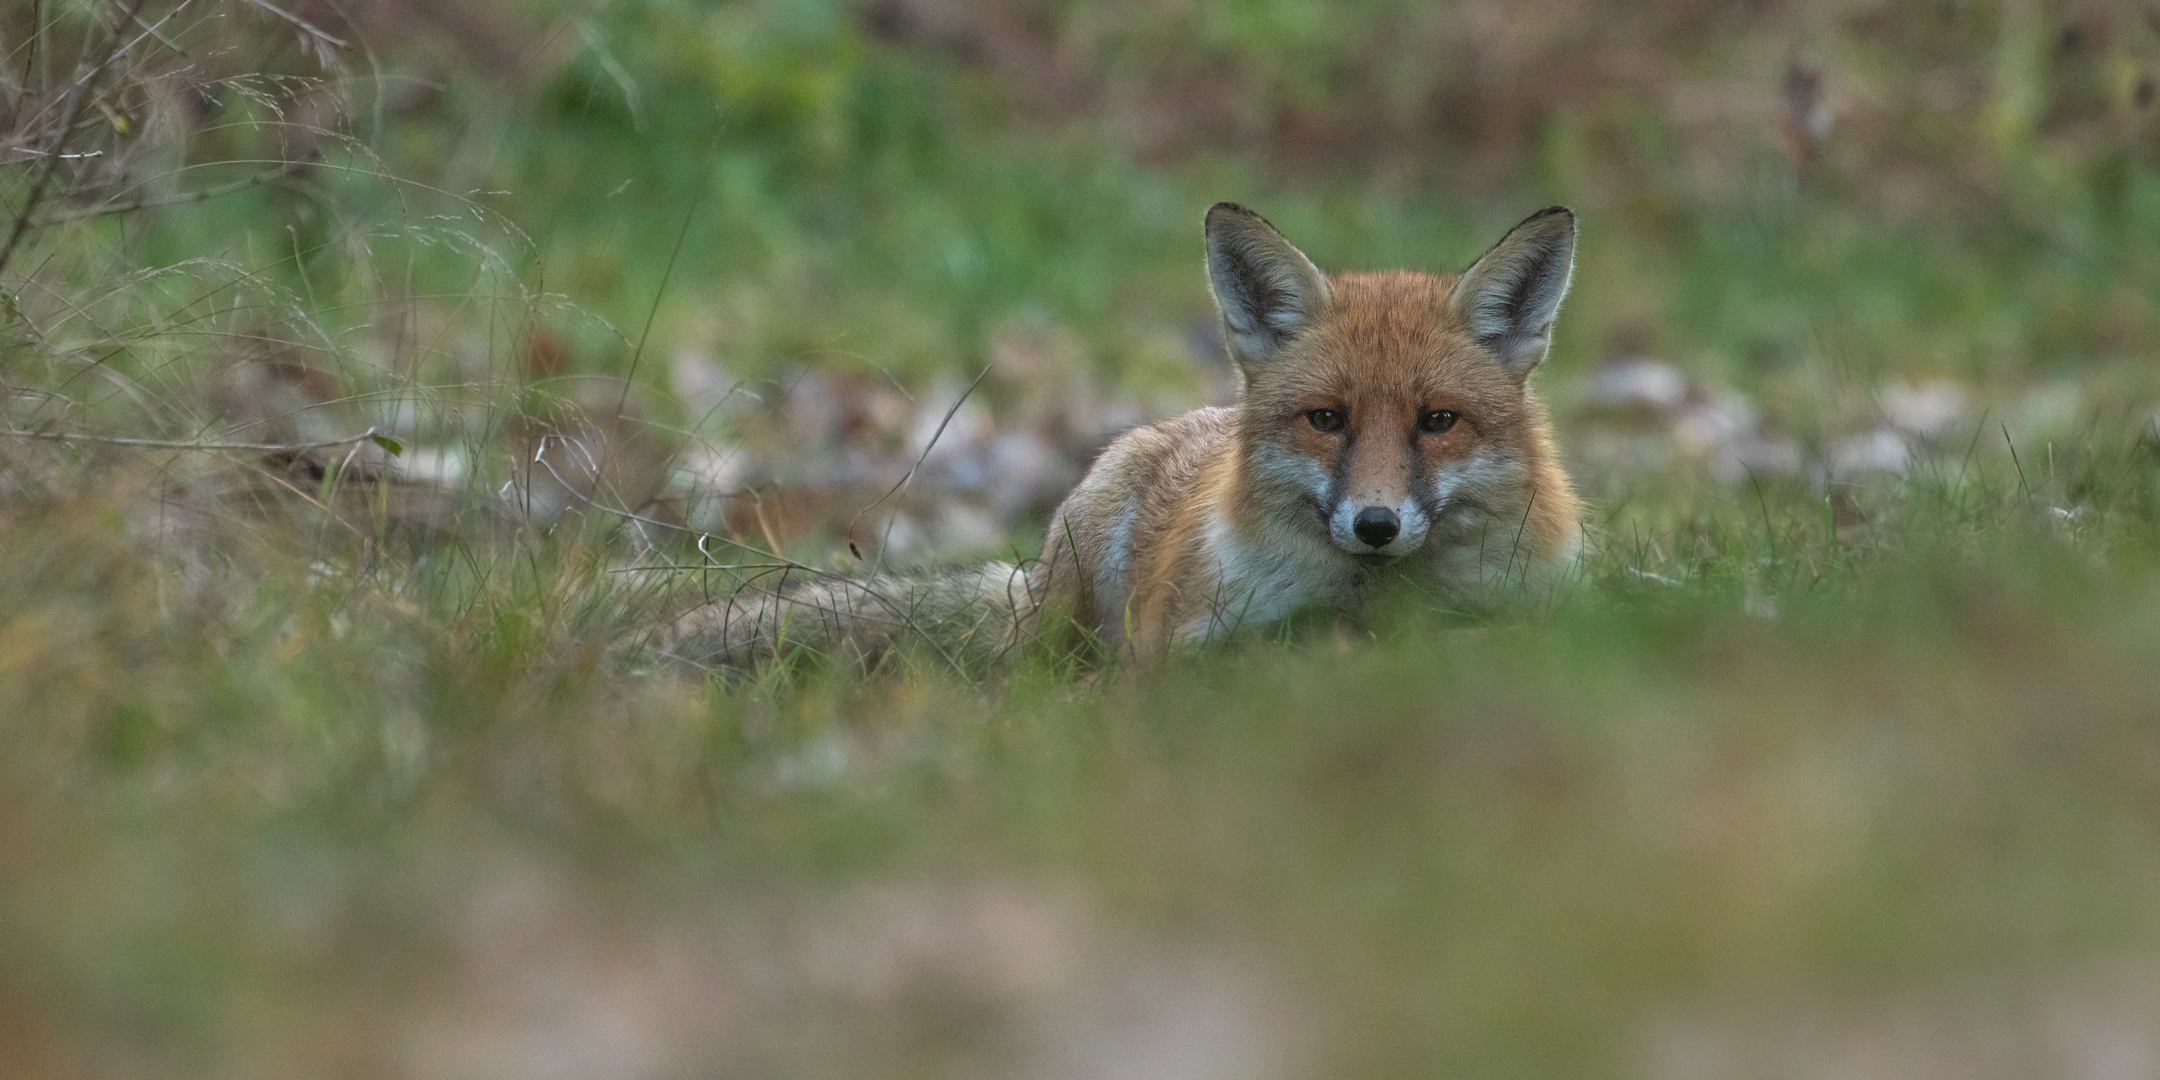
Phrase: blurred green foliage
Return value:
(1810, 751)
(882, 186)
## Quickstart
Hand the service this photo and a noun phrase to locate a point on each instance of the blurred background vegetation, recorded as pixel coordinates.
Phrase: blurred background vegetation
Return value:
(461, 341)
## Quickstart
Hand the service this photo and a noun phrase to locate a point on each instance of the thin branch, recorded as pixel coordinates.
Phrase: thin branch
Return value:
(849, 532)
(701, 566)
(161, 38)
(78, 100)
(30, 154)
(299, 22)
(170, 444)
(243, 184)
(87, 73)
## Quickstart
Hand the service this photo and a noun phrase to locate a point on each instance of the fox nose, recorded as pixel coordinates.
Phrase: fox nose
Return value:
(1376, 525)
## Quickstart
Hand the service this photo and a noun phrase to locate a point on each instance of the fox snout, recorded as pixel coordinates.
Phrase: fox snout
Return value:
(1373, 524)
(1376, 525)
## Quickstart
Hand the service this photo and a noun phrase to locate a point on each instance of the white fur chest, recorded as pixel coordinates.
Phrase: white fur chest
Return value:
(1262, 577)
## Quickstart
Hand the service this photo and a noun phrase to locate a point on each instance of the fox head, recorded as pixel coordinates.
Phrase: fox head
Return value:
(1382, 409)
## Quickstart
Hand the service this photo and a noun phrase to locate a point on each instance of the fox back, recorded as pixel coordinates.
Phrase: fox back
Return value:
(1386, 432)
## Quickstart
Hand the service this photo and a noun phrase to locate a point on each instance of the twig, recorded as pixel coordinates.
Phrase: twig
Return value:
(299, 22)
(243, 184)
(87, 72)
(919, 459)
(169, 444)
(78, 100)
(161, 39)
(701, 566)
(32, 155)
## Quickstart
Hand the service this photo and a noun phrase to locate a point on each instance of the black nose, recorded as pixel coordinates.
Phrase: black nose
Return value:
(1376, 525)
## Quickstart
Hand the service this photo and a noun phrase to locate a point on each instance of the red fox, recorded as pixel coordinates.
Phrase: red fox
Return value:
(1386, 432)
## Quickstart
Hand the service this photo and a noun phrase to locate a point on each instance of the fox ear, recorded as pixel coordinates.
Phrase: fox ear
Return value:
(1509, 297)
(1267, 290)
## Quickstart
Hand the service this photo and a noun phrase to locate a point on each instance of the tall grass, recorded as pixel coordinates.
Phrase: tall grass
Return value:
(371, 381)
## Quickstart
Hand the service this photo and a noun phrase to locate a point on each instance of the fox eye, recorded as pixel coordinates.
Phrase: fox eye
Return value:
(1328, 420)
(1435, 421)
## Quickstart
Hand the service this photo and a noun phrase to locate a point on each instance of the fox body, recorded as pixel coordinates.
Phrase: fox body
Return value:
(1386, 432)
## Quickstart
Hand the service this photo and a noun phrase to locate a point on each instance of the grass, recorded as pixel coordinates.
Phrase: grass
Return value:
(307, 772)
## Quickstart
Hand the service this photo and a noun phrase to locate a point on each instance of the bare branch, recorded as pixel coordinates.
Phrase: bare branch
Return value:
(260, 178)
(78, 100)
(171, 444)
(299, 22)
(849, 532)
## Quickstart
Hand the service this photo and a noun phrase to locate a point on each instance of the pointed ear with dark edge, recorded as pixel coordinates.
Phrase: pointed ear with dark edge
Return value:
(1509, 297)
(1266, 290)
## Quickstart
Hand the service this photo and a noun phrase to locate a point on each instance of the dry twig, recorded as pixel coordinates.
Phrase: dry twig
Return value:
(370, 434)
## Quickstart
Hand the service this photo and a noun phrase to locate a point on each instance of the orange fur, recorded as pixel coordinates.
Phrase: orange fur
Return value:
(1191, 527)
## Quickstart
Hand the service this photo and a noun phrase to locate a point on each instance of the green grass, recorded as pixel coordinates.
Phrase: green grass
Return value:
(1794, 769)
(253, 813)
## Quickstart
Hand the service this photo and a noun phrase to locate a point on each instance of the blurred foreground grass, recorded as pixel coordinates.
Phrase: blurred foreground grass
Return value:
(1839, 761)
